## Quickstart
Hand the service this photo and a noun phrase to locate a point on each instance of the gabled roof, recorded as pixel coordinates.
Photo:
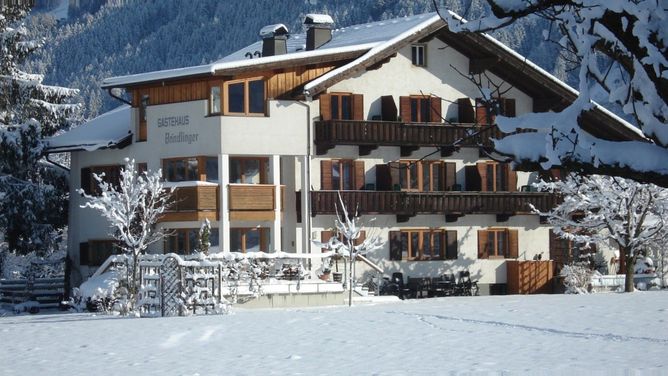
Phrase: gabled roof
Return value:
(109, 130)
(347, 42)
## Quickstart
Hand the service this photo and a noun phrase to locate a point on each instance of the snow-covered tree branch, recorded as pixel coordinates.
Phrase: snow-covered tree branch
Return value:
(621, 48)
(133, 208)
(602, 208)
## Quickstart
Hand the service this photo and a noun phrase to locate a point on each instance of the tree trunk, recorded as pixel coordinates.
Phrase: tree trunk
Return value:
(629, 258)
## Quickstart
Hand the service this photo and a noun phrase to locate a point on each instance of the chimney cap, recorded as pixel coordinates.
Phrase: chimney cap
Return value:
(272, 30)
(318, 19)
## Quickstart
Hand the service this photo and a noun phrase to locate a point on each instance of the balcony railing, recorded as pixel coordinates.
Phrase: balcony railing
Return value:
(371, 134)
(448, 203)
(253, 201)
(193, 203)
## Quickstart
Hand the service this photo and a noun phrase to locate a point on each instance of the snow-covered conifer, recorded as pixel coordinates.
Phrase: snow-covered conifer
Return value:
(34, 194)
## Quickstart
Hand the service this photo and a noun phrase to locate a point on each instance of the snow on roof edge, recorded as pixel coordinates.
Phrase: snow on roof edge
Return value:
(379, 48)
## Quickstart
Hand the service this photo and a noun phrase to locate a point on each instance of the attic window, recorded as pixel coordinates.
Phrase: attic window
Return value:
(419, 55)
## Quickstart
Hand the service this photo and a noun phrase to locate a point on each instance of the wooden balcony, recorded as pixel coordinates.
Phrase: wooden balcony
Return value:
(253, 202)
(193, 203)
(451, 204)
(368, 135)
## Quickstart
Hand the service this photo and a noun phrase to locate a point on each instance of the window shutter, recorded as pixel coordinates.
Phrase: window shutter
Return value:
(405, 109)
(86, 180)
(383, 177)
(395, 170)
(358, 107)
(483, 253)
(450, 176)
(395, 245)
(359, 175)
(325, 107)
(512, 179)
(465, 113)
(326, 175)
(451, 245)
(481, 112)
(84, 253)
(324, 237)
(435, 114)
(361, 238)
(513, 248)
(482, 172)
(388, 108)
(472, 176)
(507, 107)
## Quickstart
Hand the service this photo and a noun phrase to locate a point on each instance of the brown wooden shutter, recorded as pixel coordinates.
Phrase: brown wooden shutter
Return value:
(507, 106)
(472, 176)
(388, 108)
(325, 107)
(395, 170)
(450, 176)
(326, 175)
(482, 172)
(361, 238)
(84, 253)
(465, 113)
(324, 237)
(513, 247)
(405, 109)
(512, 179)
(358, 107)
(395, 245)
(483, 252)
(435, 113)
(450, 245)
(383, 177)
(359, 175)
(86, 180)
(480, 112)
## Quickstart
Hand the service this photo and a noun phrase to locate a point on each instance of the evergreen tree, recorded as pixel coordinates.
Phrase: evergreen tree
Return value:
(33, 203)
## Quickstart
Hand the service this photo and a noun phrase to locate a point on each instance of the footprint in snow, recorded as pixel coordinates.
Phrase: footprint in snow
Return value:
(173, 340)
(294, 357)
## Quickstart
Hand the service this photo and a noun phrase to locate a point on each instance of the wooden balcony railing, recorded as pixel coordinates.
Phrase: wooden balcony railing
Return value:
(193, 203)
(371, 134)
(253, 201)
(407, 204)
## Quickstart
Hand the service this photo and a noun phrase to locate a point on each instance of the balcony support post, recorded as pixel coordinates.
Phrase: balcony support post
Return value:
(276, 181)
(224, 224)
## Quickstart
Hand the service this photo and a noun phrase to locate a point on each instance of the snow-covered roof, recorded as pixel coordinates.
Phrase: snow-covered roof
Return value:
(344, 40)
(105, 131)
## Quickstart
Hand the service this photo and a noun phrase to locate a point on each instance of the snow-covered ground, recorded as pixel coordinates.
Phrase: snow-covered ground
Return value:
(545, 334)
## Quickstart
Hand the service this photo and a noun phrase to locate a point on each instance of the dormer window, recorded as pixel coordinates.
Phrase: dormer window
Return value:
(419, 55)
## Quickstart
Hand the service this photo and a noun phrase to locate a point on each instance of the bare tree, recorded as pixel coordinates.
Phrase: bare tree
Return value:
(132, 208)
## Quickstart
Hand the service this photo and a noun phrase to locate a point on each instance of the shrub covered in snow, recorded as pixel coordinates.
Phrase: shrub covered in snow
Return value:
(577, 278)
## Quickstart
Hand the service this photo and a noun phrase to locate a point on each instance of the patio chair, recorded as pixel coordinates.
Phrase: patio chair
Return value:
(397, 287)
(466, 286)
(448, 284)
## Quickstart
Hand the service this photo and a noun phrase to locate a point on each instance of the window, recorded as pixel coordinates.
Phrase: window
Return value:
(491, 177)
(342, 174)
(423, 245)
(214, 98)
(419, 55)
(249, 170)
(497, 177)
(112, 175)
(497, 243)
(342, 106)
(245, 97)
(143, 107)
(420, 109)
(249, 239)
(190, 169)
(422, 176)
(184, 241)
(143, 129)
(96, 252)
